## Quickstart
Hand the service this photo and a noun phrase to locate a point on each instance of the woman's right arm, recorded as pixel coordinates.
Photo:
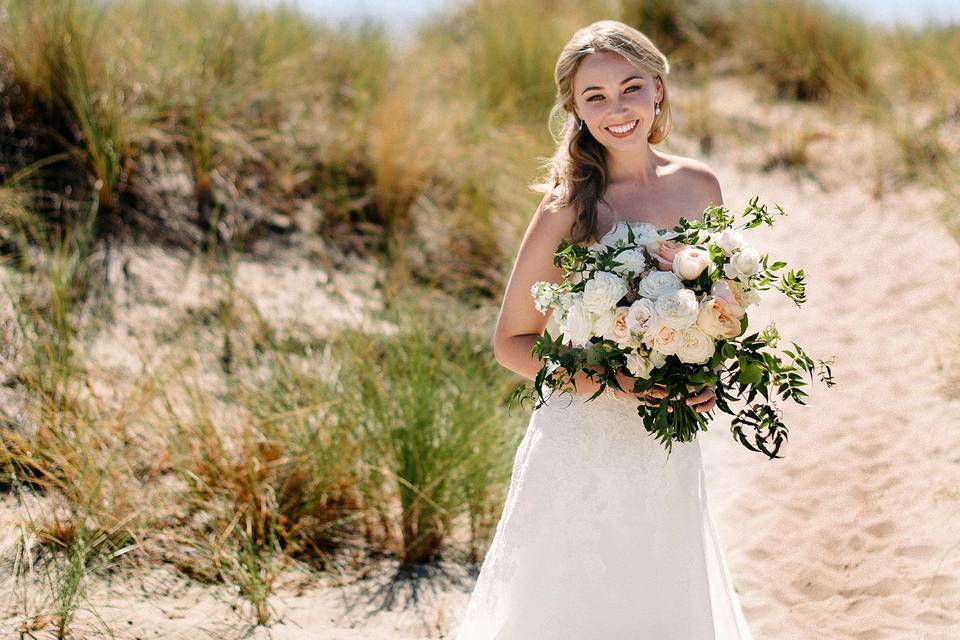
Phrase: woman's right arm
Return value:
(519, 323)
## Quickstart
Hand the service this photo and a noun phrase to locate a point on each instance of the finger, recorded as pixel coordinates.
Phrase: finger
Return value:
(707, 406)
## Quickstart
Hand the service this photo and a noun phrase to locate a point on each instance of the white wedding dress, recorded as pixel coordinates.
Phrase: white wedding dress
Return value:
(603, 537)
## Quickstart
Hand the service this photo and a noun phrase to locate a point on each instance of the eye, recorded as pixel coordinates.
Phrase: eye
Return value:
(597, 95)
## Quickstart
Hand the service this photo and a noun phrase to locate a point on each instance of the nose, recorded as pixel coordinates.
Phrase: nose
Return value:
(618, 106)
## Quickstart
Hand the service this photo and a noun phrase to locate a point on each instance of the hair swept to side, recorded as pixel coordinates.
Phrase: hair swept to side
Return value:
(577, 171)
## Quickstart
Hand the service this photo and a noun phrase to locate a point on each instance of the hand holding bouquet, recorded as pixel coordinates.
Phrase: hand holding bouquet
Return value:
(669, 308)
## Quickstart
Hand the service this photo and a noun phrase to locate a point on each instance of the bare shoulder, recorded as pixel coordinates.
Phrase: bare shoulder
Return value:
(553, 218)
(699, 181)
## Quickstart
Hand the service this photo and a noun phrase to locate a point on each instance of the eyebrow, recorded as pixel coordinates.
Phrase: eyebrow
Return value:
(625, 81)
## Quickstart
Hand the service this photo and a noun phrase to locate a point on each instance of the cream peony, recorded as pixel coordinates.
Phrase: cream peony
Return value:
(691, 262)
(577, 325)
(612, 325)
(744, 297)
(695, 347)
(714, 320)
(632, 262)
(642, 321)
(667, 340)
(678, 309)
(639, 366)
(743, 264)
(728, 292)
(603, 291)
(658, 283)
(729, 240)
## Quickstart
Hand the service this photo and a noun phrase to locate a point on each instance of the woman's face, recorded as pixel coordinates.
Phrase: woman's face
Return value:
(610, 91)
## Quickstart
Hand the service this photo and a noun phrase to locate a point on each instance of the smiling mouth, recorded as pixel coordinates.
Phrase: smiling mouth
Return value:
(621, 129)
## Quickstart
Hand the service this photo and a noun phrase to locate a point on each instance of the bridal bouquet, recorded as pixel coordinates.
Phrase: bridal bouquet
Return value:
(683, 328)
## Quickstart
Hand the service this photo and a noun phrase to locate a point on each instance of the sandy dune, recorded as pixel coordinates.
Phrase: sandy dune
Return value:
(854, 535)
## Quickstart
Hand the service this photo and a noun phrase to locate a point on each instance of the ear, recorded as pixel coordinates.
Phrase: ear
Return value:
(659, 89)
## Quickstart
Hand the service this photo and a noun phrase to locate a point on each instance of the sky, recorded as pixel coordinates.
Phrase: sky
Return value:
(401, 14)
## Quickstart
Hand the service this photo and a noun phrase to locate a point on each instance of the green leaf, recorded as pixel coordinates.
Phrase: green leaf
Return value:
(750, 373)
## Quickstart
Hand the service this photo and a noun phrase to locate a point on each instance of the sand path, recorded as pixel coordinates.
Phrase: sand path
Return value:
(855, 534)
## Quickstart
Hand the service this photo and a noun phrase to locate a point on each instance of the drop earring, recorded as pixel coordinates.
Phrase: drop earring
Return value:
(580, 126)
(657, 108)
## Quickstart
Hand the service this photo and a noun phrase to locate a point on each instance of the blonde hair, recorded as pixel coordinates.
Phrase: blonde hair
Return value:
(578, 166)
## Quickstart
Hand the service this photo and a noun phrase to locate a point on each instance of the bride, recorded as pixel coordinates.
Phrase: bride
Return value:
(602, 537)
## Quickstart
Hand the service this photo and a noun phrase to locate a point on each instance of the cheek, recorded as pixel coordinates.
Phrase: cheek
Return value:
(592, 109)
(638, 98)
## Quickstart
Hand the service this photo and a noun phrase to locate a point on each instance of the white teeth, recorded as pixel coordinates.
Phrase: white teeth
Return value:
(624, 127)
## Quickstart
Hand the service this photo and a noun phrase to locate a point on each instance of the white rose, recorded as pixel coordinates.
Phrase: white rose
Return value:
(639, 366)
(603, 291)
(691, 262)
(695, 347)
(632, 261)
(645, 233)
(658, 358)
(603, 324)
(729, 240)
(644, 229)
(577, 325)
(678, 309)
(642, 321)
(658, 283)
(743, 264)
(616, 237)
(667, 340)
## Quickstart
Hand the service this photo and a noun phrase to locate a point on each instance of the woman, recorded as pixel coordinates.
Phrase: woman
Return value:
(601, 535)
